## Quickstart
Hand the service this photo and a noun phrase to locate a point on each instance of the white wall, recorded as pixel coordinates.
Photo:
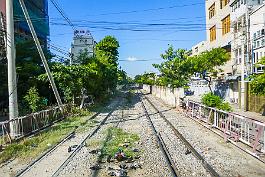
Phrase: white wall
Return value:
(169, 95)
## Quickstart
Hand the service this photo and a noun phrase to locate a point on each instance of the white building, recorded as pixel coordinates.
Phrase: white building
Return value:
(82, 41)
(241, 10)
(199, 48)
(218, 29)
(257, 36)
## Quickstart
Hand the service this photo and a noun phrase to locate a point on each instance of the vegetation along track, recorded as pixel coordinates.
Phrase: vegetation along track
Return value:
(29, 169)
(81, 145)
(170, 149)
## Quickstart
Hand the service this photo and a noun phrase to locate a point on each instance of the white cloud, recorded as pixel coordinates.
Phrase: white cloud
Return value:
(132, 59)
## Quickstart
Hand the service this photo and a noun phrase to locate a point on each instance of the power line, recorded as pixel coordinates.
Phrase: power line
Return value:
(60, 10)
(148, 10)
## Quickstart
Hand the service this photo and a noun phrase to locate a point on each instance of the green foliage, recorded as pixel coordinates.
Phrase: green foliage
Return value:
(225, 106)
(117, 137)
(215, 101)
(207, 63)
(174, 71)
(97, 75)
(211, 100)
(177, 68)
(29, 67)
(258, 81)
(146, 78)
(33, 99)
(33, 147)
(209, 60)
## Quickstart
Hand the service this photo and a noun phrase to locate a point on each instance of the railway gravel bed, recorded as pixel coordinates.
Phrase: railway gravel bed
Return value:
(185, 162)
(226, 159)
(131, 119)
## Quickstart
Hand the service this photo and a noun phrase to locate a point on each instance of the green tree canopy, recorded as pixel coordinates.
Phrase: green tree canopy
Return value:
(258, 80)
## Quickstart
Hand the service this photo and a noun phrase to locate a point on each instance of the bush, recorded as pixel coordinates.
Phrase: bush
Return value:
(211, 100)
(34, 101)
(225, 107)
(215, 101)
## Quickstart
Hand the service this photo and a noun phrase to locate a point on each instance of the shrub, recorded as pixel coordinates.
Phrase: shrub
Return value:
(211, 100)
(225, 107)
(215, 101)
(34, 101)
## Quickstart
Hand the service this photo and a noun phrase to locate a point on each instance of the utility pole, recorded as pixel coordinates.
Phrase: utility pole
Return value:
(43, 58)
(11, 61)
(245, 63)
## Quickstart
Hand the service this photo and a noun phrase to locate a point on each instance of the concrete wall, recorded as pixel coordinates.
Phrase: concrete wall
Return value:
(223, 89)
(169, 95)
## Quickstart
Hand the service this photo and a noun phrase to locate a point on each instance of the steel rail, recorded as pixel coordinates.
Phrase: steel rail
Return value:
(162, 145)
(33, 163)
(25, 170)
(206, 165)
(81, 145)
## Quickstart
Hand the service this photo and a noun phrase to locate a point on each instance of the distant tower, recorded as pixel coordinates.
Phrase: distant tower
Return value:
(82, 41)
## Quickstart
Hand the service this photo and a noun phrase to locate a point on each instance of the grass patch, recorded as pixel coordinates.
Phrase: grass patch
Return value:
(117, 138)
(29, 148)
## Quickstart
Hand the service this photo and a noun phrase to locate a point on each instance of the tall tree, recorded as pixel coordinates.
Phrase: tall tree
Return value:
(208, 63)
(107, 54)
(172, 70)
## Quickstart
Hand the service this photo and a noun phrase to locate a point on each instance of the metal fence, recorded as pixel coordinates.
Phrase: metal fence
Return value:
(236, 128)
(30, 124)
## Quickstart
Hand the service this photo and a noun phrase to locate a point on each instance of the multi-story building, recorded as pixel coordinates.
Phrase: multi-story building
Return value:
(38, 11)
(218, 14)
(241, 48)
(82, 41)
(257, 36)
(199, 48)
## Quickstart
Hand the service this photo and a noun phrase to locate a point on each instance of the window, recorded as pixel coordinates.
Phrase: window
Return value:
(212, 11)
(262, 32)
(213, 33)
(235, 27)
(255, 35)
(258, 44)
(226, 25)
(263, 42)
(258, 33)
(254, 44)
(223, 3)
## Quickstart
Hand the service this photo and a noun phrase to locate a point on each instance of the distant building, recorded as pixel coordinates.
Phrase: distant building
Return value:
(82, 41)
(38, 11)
(199, 48)
(257, 36)
(218, 28)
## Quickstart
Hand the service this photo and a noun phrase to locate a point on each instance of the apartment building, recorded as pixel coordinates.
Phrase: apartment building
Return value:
(241, 48)
(82, 41)
(257, 37)
(218, 25)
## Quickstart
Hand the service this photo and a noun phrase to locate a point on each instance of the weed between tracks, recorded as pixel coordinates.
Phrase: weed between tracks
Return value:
(117, 139)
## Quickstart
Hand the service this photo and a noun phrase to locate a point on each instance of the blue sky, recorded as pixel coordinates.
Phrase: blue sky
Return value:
(148, 39)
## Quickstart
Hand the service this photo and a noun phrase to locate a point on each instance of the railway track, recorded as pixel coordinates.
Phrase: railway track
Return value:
(176, 171)
(29, 167)
(81, 145)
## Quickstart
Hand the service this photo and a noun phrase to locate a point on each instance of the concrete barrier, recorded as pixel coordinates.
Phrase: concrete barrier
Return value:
(170, 96)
